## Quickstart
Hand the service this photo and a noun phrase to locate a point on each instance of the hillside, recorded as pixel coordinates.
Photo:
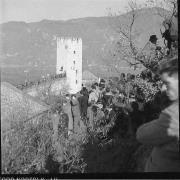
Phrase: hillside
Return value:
(32, 46)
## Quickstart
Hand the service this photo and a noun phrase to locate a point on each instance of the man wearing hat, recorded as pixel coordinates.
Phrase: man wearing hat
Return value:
(152, 44)
(163, 133)
(151, 51)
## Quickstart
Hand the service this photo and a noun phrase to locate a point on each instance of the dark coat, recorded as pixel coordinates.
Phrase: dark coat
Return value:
(163, 134)
(83, 104)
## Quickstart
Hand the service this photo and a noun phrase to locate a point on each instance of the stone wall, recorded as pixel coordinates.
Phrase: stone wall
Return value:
(53, 86)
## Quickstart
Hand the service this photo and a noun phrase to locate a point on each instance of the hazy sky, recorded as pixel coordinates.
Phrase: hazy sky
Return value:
(36, 10)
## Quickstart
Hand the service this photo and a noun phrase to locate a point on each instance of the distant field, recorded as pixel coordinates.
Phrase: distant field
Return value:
(16, 75)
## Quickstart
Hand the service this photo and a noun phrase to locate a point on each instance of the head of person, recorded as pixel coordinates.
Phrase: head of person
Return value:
(96, 85)
(84, 90)
(67, 96)
(93, 87)
(107, 89)
(102, 81)
(168, 71)
(84, 93)
(153, 39)
(122, 76)
(73, 96)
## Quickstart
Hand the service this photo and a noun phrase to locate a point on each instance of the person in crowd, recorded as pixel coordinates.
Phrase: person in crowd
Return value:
(85, 90)
(115, 98)
(171, 31)
(163, 133)
(83, 103)
(150, 52)
(102, 83)
(79, 98)
(98, 113)
(107, 98)
(67, 110)
(101, 92)
(93, 98)
(97, 89)
(151, 47)
(75, 113)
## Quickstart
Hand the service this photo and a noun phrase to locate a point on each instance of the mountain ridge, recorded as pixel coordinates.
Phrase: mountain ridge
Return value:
(34, 43)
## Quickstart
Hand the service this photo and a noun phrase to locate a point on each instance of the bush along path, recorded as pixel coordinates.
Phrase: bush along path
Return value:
(46, 148)
(65, 156)
(113, 155)
(86, 152)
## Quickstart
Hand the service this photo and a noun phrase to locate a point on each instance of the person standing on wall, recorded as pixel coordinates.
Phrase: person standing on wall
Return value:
(163, 133)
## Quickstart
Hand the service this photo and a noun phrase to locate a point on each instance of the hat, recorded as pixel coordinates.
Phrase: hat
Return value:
(153, 37)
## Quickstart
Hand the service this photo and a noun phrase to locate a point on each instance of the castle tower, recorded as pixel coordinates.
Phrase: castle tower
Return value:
(69, 60)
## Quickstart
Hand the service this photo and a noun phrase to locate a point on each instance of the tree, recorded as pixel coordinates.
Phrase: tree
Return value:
(126, 48)
(170, 5)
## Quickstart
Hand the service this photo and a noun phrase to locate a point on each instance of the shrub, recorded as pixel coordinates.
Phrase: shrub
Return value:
(149, 89)
(26, 145)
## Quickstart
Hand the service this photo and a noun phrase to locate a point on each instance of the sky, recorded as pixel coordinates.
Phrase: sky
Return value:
(37, 10)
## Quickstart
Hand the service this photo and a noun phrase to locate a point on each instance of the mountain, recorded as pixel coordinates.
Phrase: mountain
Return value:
(29, 49)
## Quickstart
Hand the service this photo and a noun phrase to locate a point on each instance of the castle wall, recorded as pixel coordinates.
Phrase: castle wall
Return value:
(69, 60)
(54, 87)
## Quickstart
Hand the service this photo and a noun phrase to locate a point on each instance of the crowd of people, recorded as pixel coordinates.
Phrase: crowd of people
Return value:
(154, 123)
(104, 101)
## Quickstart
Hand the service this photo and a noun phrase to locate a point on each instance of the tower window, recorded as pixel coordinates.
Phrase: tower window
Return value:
(74, 62)
(76, 81)
(76, 72)
(74, 52)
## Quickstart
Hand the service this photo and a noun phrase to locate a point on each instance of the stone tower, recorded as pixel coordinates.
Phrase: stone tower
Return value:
(69, 60)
